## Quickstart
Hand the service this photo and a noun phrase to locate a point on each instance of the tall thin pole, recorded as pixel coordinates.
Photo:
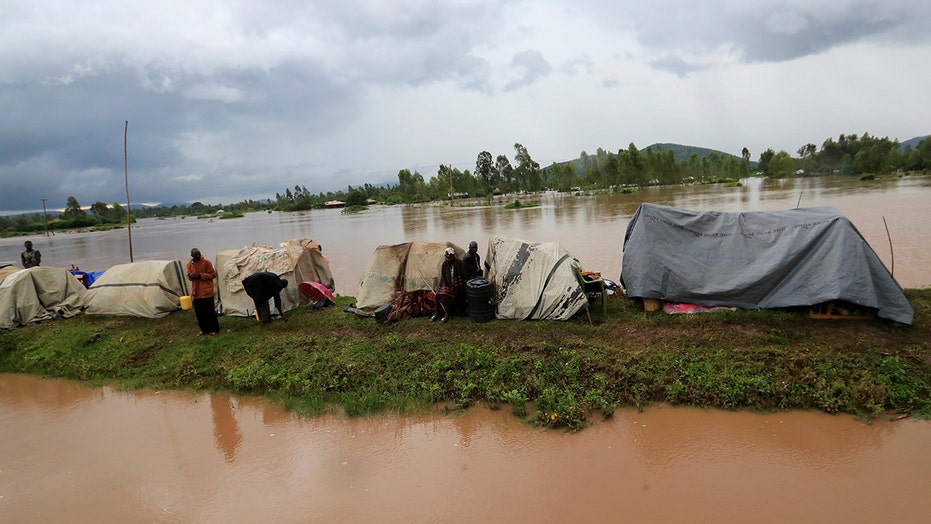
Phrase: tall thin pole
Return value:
(129, 218)
(45, 212)
(891, 252)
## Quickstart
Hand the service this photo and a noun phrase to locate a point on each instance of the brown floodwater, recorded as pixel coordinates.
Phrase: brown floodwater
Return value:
(71, 453)
(591, 227)
(74, 453)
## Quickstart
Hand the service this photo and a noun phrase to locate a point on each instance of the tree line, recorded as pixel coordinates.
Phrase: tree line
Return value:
(849, 155)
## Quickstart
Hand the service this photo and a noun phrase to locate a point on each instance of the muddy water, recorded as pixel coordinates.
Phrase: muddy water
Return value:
(590, 227)
(71, 453)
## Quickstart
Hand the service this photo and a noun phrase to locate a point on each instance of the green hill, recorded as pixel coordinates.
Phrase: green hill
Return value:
(683, 153)
(913, 142)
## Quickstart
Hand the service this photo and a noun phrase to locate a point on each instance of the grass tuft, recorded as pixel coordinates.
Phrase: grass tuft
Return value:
(552, 374)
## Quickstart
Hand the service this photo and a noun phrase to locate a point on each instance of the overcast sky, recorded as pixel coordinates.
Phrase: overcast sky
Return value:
(228, 100)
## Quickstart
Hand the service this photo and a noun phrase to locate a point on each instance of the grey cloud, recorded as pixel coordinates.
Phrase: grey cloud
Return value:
(531, 66)
(675, 65)
(584, 63)
(682, 37)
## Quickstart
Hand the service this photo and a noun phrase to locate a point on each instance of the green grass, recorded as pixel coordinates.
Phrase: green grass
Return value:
(555, 374)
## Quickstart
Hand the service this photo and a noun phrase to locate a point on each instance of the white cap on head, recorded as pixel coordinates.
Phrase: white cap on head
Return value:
(450, 251)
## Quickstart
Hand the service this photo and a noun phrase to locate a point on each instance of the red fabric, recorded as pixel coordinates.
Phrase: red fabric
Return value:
(409, 305)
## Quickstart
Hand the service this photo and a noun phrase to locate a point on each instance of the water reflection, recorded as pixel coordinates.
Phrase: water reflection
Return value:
(104, 455)
(225, 429)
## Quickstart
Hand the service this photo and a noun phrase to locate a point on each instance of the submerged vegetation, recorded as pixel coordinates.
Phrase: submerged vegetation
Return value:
(517, 204)
(554, 374)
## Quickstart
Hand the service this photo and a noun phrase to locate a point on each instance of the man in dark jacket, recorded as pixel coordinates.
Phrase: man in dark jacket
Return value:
(473, 262)
(450, 294)
(261, 287)
(30, 257)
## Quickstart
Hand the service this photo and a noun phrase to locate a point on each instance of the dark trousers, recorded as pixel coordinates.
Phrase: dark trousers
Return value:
(265, 312)
(206, 314)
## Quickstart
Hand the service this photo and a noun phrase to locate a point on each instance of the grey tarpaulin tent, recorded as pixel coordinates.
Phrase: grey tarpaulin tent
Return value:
(753, 260)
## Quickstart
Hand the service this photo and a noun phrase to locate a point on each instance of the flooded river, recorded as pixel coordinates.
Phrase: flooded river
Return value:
(71, 453)
(591, 227)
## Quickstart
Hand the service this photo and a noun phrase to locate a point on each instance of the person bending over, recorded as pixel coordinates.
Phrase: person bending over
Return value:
(262, 287)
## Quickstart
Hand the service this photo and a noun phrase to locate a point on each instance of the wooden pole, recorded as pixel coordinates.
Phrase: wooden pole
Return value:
(129, 218)
(891, 252)
(45, 212)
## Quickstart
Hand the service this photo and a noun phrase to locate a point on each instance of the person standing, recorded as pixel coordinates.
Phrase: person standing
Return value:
(450, 294)
(262, 287)
(201, 274)
(30, 257)
(473, 262)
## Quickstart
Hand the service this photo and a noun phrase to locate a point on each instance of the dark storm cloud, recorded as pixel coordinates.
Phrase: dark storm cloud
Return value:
(209, 111)
(687, 36)
(230, 100)
(64, 140)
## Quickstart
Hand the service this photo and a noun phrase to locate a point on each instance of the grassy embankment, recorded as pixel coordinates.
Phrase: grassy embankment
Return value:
(557, 374)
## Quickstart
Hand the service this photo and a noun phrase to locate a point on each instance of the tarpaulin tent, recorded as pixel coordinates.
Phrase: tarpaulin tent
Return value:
(297, 260)
(407, 267)
(150, 289)
(533, 280)
(39, 293)
(753, 260)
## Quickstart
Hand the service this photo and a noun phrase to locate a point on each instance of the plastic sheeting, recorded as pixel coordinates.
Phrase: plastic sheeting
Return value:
(756, 260)
(407, 267)
(37, 294)
(150, 289)
(533, 280)
(297, 260)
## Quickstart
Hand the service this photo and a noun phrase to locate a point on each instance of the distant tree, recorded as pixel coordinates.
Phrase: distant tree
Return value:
(527, 171)
(506, 172)
(920, 157)
(411, 186)
(781, 165)
(356, 198)
(100, 210)
(807, 151)
(745, 162)
(73, 210)
(485, 171)
(765, 158)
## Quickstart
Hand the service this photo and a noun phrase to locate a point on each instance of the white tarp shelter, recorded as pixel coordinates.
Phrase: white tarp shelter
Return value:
(150, 289)
(37, 294)
(756, 260)
(297, 260)
(533, 280)
(407, 267)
